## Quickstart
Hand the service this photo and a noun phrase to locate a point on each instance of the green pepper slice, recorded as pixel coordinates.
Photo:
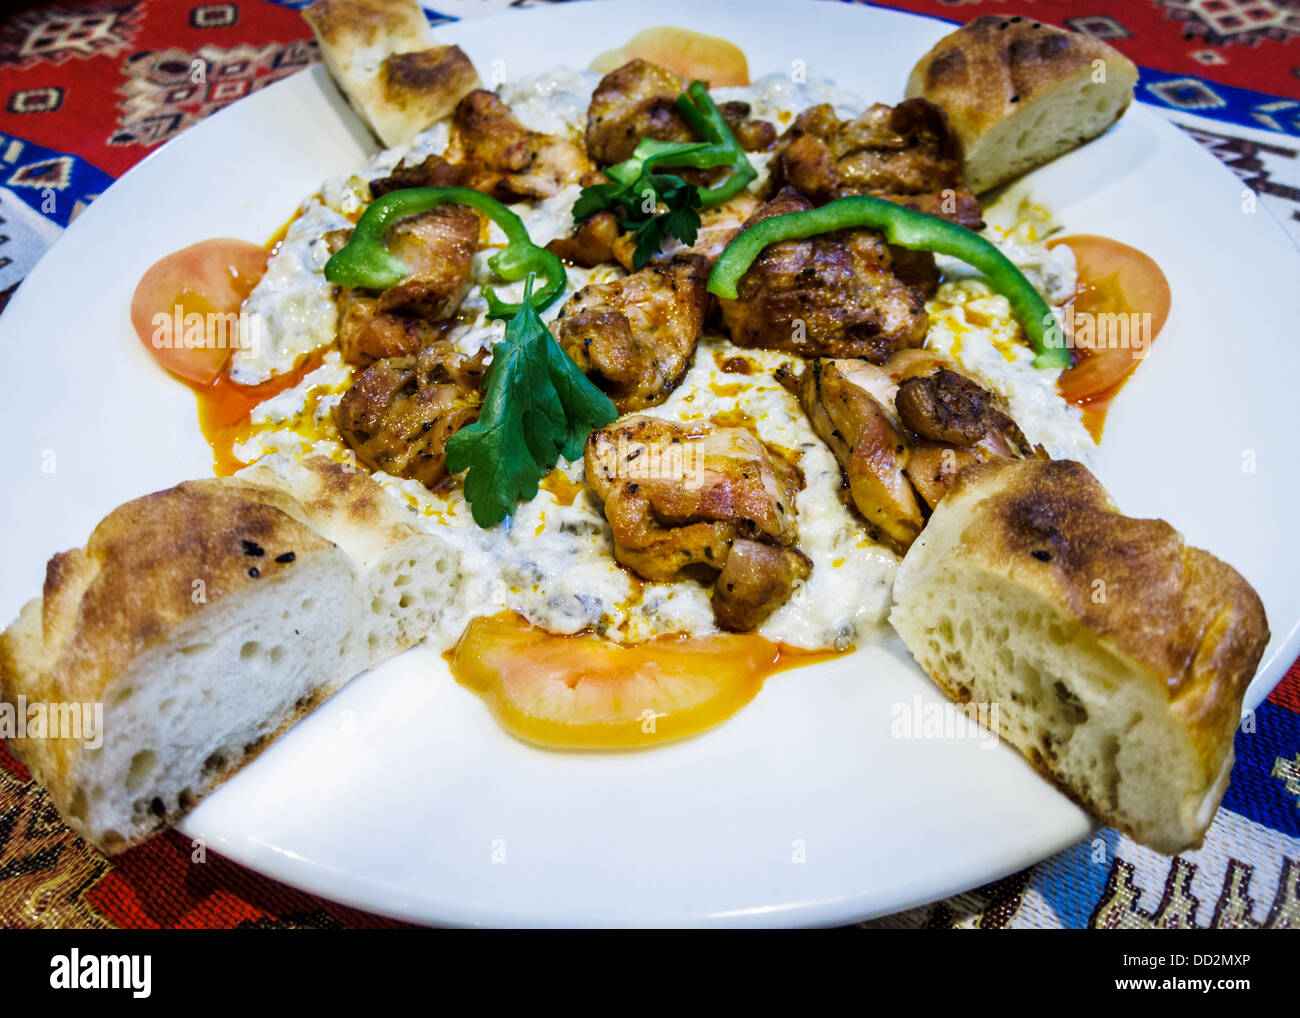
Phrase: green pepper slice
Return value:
(915, 231)
(365, 261)
(700, 111)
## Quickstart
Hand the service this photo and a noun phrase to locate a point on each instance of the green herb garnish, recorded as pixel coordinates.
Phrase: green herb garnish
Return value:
(537, 406)
(654, 205)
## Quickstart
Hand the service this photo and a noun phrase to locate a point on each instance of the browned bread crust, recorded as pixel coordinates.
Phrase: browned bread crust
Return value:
(202, 621)
(355, 24)
(151, 564)
(1118, 656)
(1178, 611)
(996, 66)
(148, 566)
(383, 56)
(424, 86)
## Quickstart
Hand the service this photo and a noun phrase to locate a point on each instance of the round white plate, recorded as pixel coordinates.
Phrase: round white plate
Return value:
(401, 795)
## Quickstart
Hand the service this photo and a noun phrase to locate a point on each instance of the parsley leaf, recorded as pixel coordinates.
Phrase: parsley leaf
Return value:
(537, 405)
(654, 206)
(679, 218)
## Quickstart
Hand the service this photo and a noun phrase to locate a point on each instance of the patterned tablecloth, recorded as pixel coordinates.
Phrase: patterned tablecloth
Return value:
(89, 88)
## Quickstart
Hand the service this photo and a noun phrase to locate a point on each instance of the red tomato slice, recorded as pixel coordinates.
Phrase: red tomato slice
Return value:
(209, 279)
(1114, 279)
(583, 692)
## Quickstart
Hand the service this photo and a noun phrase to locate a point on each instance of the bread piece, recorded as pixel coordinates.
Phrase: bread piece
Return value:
(205, 619)
(1116, 655)
(1019, 93)
(408, 578)
(384, 58)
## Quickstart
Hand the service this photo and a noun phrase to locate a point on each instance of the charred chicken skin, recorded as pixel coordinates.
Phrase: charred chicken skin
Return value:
(492, 152)
(636, 336)
(849, 403)
(591, 243)
(755, 580)
(907, 154)
(399, 412)
(834, 295)
(639, 100)
(438, 247)
(635, 101)
(902, 432)
(685, 496)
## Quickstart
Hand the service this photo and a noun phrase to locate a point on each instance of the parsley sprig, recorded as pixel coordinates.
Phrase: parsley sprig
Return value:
(655, 205)
(537, 405)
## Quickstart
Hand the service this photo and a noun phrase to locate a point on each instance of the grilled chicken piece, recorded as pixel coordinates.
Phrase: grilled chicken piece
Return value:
(592, 243)
(438, 247)
(400, 411)
(442, 364)
(906, 153)
(635, 101)
(639, 100)
(493, 152)
(903, 430)
(635, 336)
(948, 407)
(754, 135)
(953, 423)
(850, 406)
(834, 295)
(367, 334)
(681, 496)
(599, 239)
(756, 579)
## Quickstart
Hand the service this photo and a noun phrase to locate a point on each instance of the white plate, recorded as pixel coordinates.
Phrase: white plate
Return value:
(401, 795)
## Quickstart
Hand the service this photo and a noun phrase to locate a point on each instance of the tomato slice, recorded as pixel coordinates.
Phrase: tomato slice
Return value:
(210, 280)
(1114, 280)
(691, 54)
(584, 692)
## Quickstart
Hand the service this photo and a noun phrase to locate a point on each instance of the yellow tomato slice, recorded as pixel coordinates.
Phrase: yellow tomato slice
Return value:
(1114, 279)
(584, 692)
(691, 54)
(209, 279)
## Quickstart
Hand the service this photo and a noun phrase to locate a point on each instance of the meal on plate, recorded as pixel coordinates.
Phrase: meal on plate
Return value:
(625, 391)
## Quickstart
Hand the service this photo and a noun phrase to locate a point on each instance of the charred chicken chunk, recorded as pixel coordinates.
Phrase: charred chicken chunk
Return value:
(635, 101)
(438, 247)
(400, 411)
(367, 334)
(635, 336)
(952, 423)
(753, 134)
(906, 153)
(902, 431)
(756, 579)
(681, 496)
(834, 295)
(639, 100)
(850, 406)
(592, 243)
(492, 152)
(948, 407)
